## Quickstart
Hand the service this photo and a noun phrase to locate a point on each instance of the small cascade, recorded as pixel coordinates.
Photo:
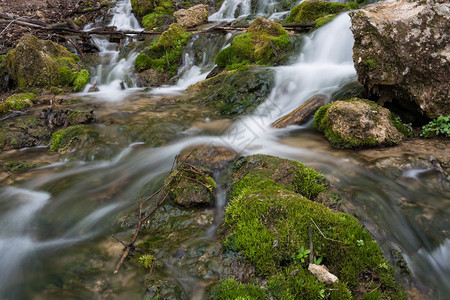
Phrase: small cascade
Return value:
(323, 67)
(111, 73)
(196, 66)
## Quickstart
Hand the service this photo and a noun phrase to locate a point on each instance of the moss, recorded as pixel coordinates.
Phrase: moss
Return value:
(62, 139)
(268, 220)
(142, 7)
(164, 54)
(317, 11)
(18, 166)
(17, 102)
(400, 126)
(324, 20)
(81, 79)
(370, 63)
(41, 63)
(265, 43)
(322, 124)
(230, 289)
(160, 16)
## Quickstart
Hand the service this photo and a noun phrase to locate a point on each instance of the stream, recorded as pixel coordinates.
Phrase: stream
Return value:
(57, 220)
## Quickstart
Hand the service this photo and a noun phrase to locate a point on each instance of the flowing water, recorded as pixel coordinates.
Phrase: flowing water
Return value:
(56, 222)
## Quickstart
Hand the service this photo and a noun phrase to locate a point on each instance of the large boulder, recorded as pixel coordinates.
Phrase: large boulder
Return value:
(43, 63)
(196, 15)
(402, 52)
(357, 123)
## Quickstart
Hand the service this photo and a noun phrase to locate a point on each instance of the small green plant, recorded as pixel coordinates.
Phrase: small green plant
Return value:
(317, 260)
(301, 255)
(437, 127)
(403, 128)
(360, 243)
(322, 294)
(146, 260)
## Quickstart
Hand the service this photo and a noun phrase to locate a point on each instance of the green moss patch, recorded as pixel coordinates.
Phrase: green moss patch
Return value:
(160, 17)
(265, 43)
(63, 138)
(18, 166)
(317, 11)
(17, 102)
(164, 54)
(269, 219)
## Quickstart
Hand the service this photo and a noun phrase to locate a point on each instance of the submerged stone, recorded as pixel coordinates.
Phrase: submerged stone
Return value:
(357, 123)
(213, 157)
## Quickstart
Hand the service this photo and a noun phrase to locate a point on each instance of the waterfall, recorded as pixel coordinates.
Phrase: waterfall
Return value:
(111, 73)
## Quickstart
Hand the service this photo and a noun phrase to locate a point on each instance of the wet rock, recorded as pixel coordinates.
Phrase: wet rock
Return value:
(235, 93)
(212, 157)
(312, 10)
(142, 7)
(65, 117)
(43, 63)
(303, 113)
(401, 53)
(196, 15)
(190, 186)
(18, 166)
(356, 123)
(152, 78)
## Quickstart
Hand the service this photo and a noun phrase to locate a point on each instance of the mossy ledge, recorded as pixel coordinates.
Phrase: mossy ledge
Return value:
(265, 43)
(269, 218)
(17, 102)
(320, 12)
(164, 54)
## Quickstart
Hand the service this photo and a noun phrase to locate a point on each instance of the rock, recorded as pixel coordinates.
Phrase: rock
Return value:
(303, 113)
(402, 53)
(265, 43)
(43, 63)
(142, 7)
(356, 123)
(191, 186)
(322, 274)
(235, 93)
(17, 102)
(93, 89)
(152, 78)
(163, 56)
(196, 15)
(213, 157)
(311, 10)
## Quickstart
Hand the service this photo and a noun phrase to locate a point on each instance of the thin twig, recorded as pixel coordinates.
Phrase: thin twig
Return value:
(10, 24)
(323, 234)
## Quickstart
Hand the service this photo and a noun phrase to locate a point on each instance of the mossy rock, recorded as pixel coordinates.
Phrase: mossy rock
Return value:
(73, 135)
(267, 221)
(265, 43)
(235, 93)
(164, 54)
(160, 17)
(43, 63)
(357, 123)
(23, 131)
(18, 166)
(190, 185)
(317, 11)
(17, 102)
(142, 7)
